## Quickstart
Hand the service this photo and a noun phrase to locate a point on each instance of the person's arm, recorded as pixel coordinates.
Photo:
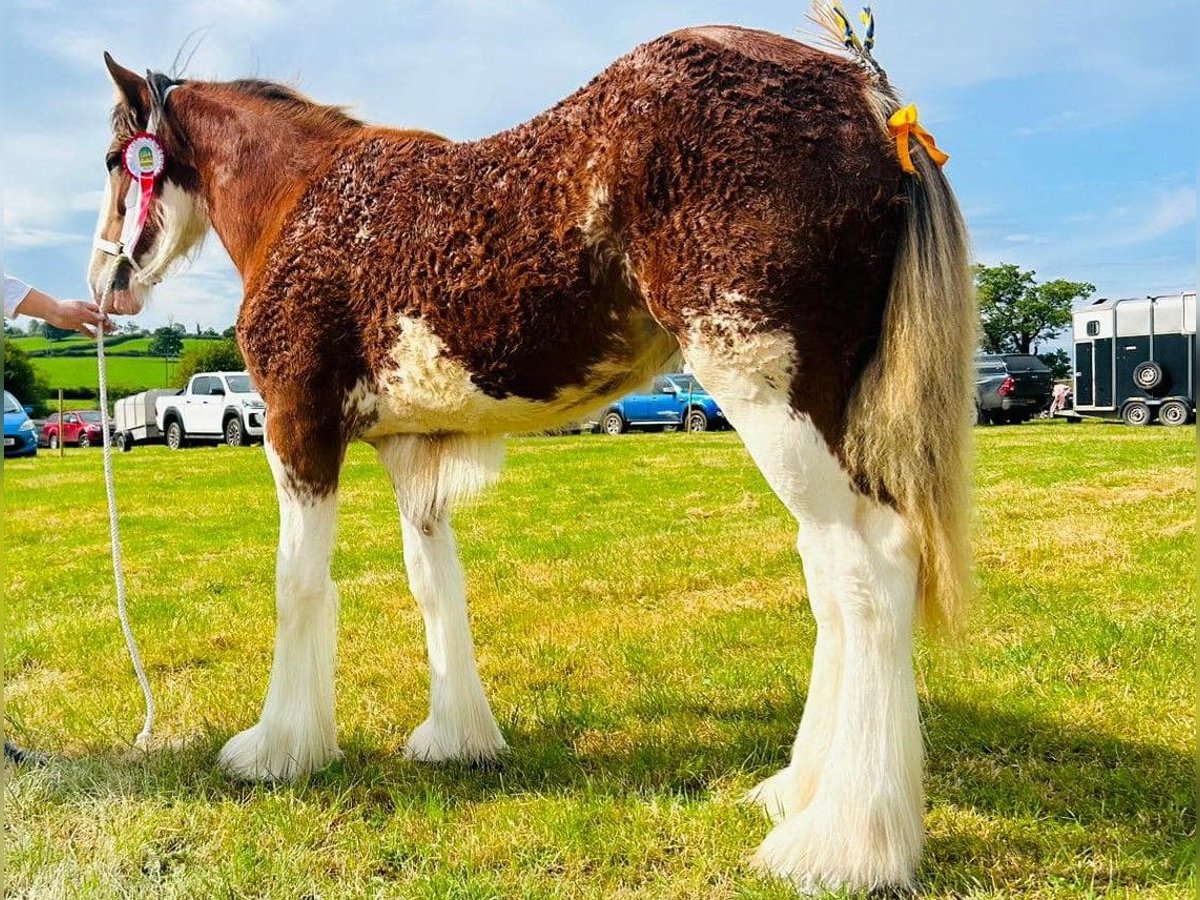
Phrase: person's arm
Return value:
(14, 292)
(73, 315)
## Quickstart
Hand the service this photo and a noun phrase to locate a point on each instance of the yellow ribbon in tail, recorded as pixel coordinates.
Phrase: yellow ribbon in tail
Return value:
(903, 124)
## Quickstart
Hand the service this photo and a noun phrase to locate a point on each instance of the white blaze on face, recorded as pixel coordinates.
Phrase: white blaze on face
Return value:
(179, 221)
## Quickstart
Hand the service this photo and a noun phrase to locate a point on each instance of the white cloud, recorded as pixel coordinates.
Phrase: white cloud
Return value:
(20, 237)
(1171, 211)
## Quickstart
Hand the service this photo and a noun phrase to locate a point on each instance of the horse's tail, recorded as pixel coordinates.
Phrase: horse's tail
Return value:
(908, 430)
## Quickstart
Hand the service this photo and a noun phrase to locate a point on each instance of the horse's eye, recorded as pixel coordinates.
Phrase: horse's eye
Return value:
(112, 160)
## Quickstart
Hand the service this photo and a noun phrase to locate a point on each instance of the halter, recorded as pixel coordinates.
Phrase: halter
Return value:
(144, 159)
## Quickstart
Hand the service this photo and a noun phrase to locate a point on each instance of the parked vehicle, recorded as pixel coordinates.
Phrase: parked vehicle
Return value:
(215, 406)
(674, 401)
(81, 427)
(20, 434)
(1135, 359)
(1011, 388)
(133, 418)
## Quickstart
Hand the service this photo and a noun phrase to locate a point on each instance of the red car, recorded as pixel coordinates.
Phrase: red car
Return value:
(81, 426)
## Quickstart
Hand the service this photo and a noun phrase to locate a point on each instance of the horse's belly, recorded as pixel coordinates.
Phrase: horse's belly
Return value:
(425, 391)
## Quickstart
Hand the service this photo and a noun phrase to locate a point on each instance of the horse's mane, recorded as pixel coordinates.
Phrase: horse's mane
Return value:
(298, 107)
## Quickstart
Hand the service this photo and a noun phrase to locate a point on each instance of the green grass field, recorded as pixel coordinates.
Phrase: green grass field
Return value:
(124, 370)
(643, 632)
(142, 372)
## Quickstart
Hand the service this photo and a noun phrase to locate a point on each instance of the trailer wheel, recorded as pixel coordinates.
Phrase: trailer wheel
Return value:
(1149, 375)
(1136, 413)
(1174, 413)
(124, 441)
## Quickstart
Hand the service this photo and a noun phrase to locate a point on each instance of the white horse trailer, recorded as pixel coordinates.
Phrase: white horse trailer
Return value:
(1135, 359)
(133, 418)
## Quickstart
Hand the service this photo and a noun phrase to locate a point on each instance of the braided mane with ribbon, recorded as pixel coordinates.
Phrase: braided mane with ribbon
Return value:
(903, 124)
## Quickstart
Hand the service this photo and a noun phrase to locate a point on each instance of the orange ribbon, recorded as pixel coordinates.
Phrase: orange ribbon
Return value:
(903, 124)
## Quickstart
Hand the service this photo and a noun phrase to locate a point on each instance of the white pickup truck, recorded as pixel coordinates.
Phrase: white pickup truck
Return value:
(215, 406)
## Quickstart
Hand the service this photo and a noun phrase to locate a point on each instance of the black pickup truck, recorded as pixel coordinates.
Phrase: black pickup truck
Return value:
(1011, 388)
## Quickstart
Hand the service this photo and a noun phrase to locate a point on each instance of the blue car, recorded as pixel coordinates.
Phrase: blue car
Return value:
(20, 437)
(674, 401)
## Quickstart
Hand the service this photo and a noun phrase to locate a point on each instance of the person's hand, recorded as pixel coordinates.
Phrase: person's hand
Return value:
(79, 315)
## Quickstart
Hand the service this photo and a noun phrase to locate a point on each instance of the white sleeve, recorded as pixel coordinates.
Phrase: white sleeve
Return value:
(15, 291)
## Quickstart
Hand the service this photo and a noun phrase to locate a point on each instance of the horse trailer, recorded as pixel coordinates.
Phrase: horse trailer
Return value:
(133, 419)
(1135, 359)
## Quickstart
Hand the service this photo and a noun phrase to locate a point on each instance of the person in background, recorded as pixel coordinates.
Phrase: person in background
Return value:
(1061, 398)
(72, 315)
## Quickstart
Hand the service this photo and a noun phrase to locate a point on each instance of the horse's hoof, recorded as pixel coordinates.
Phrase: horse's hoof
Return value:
(820, 853)
(261, 754)
(432, 742)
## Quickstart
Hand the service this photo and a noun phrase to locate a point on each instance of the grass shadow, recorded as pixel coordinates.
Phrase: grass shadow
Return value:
(1065, 798)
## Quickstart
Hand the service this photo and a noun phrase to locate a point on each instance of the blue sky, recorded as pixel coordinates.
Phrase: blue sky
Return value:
(1071, 125)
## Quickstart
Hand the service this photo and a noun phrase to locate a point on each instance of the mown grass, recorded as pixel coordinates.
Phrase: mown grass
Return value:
(643, 632)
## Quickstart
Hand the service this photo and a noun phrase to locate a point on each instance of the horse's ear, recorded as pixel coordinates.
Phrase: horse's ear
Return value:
(131, 87)
(160, 86)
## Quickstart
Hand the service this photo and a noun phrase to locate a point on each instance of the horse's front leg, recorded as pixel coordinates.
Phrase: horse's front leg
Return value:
(297, 734)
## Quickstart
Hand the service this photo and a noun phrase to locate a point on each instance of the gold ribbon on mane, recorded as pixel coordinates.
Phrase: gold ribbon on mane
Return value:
(903, 124)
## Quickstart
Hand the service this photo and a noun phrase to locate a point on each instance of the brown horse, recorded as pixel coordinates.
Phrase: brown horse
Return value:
(725, 194)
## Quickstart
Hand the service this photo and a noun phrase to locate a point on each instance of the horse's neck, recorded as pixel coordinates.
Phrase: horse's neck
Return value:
(252, 171)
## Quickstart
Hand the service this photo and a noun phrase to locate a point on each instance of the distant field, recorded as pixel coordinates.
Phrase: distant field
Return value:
(644, 634)
(125, 371)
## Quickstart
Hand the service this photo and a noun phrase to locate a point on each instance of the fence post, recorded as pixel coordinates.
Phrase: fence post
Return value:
(61, 443)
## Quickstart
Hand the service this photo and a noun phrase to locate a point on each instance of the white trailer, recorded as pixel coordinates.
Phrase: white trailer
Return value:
(133, 419)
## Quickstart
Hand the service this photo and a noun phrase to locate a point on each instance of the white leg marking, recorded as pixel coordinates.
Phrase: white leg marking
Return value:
(296, 734)
(460, 723)
(427, 474)
(850, 803)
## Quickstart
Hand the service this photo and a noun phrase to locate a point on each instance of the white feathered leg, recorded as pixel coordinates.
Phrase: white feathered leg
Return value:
(427, 473)
(460, 725)
(849, 805)
(296, 734)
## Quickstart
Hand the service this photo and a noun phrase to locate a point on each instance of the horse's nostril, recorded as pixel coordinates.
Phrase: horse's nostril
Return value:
(121, 273)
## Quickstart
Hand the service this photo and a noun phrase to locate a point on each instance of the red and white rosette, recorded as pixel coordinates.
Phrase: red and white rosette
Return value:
(144, 160)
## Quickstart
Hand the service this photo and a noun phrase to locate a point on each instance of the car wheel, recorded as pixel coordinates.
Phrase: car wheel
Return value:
(234, 436)
(1136, 413)
(1174, 413)
(981, 418)
(697, 420)
(84, 440)
(174, 435)
(613, 423)
(53, 442)
(1148, 375)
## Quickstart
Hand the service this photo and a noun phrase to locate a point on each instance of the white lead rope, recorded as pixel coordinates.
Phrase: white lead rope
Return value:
(143, 739)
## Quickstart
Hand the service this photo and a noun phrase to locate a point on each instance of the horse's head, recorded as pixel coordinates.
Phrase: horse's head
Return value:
(121, 275)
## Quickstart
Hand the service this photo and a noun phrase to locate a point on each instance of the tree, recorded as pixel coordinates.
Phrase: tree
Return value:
(54, 333)
(23, 380)
(166, 342)
(1059, 361)
(1017, 313)
(230, 333)
(216, 356)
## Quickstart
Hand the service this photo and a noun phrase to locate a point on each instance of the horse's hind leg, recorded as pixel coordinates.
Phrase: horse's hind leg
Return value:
(460, 725)
(296, 733)
(849, 805)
